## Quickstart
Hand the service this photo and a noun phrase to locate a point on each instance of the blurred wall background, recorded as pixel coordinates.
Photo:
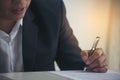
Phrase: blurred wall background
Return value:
(91, 18)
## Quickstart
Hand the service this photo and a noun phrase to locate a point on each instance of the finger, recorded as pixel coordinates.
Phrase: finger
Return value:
(97, 53)
(84, 55)
(99, 50)
(100, 62)
(101, 70)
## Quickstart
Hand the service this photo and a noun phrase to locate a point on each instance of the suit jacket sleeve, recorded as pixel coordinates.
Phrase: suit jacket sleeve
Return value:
(68, 54)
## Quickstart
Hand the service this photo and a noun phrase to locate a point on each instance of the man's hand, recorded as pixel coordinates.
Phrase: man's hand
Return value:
(97, 62)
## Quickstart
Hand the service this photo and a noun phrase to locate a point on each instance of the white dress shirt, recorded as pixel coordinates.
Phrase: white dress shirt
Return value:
(11, 49)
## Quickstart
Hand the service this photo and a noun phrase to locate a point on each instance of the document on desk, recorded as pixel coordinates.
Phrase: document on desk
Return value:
(32, 76)
(80, 75)
(4, 78)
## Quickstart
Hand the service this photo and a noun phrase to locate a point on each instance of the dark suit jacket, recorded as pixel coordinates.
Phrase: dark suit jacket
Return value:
(47, 37)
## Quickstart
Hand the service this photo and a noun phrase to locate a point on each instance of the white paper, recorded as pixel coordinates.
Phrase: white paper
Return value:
(80, 75)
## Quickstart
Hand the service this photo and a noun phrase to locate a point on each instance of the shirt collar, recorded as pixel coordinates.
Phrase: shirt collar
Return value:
(14, 31)
(16, 28)
(21, 22)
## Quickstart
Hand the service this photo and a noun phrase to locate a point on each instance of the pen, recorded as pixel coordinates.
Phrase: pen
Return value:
(94, 46)
(90, 53)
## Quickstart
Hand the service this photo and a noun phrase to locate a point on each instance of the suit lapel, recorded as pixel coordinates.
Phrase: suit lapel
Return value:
(30, 35)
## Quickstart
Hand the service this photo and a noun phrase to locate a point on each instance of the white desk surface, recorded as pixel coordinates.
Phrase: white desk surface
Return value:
(62, 75)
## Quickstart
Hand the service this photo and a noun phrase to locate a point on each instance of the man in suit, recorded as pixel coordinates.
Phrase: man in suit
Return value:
(33, 37)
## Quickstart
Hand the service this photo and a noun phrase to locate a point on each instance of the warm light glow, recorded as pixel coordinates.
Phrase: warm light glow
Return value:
(91, 18)
(88, 20)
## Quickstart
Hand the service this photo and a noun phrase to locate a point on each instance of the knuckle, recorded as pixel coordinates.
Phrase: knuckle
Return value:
(100, 63)
(83, 53)
(99, 52)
